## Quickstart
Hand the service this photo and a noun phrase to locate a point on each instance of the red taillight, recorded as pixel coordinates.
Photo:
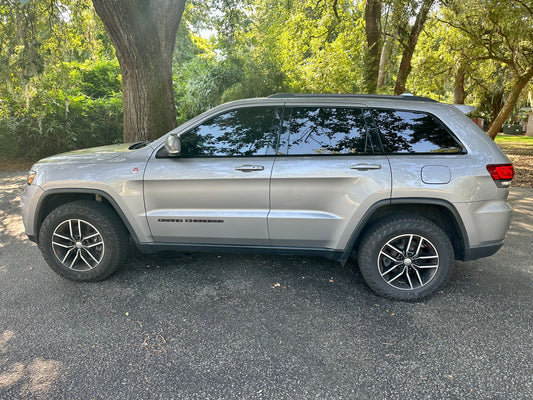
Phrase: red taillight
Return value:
(501, 172)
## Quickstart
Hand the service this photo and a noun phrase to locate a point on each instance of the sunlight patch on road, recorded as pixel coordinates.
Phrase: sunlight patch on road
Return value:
(4, 338)
(12, 226)
(10, 219)
(13, 182)
(36, 377)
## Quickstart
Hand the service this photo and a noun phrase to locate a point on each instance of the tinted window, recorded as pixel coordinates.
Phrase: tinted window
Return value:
(414, 132)
(326, 131)
(239, 133)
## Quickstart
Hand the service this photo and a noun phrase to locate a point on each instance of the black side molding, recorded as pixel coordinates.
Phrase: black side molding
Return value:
(155, 247)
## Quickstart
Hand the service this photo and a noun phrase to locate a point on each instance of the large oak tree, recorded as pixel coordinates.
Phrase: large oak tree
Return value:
(143, 33)
(503, 33)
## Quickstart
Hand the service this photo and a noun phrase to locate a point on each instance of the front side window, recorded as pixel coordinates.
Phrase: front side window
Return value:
(325, 131)
(405, 132)
(244, 132)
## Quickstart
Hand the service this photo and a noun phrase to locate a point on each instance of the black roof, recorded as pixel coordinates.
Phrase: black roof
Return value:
(355, 96)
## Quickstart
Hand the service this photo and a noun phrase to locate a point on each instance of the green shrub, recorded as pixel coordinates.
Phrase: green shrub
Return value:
(75, 106)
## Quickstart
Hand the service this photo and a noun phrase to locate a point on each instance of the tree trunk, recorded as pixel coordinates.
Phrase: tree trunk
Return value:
(510, 102)
(143, 33)
(373, 33)
(496, 104)
(388, 43)
(459, 94)
(384, 62)
(409, 47)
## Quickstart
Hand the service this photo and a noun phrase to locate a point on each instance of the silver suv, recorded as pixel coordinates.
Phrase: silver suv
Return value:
(408, 184)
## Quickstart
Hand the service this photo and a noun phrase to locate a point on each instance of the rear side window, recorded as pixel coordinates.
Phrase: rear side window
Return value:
(325, 131)
(405, 132)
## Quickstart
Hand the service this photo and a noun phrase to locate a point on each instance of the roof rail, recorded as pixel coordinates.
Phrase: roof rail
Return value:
(406, 96)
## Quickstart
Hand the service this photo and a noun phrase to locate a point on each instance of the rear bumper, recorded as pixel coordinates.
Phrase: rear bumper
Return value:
(486, 250)
(486, 224)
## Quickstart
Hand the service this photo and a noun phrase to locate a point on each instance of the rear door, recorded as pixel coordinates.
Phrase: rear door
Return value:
(329, 169)
(217, 191)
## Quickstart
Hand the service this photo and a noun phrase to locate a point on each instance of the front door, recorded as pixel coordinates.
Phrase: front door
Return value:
(217, 191)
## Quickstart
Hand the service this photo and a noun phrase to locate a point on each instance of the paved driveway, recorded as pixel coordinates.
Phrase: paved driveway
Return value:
(218, 326)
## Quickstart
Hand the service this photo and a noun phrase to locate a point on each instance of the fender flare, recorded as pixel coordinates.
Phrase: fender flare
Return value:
(362, 224)
(39, 215)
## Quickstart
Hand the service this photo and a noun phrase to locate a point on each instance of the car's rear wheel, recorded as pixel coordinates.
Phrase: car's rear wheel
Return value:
(406, 257)
(83, 240)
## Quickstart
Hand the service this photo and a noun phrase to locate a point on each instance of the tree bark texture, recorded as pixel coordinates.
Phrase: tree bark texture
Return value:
(459, 93)
(510, 102)
(373, 33)
(388, 44)
(143, 33)
(384, 62)
(409, 47)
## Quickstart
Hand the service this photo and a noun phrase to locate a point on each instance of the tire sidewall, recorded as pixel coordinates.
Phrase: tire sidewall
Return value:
(384, 232)
(95, 214)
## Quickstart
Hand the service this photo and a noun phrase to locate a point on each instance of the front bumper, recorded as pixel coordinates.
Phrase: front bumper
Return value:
(28, 202)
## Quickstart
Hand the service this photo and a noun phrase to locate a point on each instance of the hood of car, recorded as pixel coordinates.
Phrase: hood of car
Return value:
(91, 155)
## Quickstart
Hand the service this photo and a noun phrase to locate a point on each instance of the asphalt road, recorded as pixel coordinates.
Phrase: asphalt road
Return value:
(219, 326)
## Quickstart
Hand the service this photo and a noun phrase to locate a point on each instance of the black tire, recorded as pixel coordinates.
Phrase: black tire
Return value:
(394, 270)
(83, 240)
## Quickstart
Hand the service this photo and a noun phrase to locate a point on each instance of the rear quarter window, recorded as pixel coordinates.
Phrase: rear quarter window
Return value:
(414, 132)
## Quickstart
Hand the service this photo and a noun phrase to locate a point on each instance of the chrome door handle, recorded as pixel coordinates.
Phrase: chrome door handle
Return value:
(249, 168)
(365, 167)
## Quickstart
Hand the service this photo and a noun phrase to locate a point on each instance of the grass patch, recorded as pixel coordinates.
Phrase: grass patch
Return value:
(514, 140)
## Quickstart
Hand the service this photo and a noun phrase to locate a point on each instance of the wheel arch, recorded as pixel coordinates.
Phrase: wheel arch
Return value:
(441, 212)
(53, 198)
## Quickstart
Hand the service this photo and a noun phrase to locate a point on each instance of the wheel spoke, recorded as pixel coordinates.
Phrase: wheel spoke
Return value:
(93, 245)
(419, 246)
(91, 236)
(85, 261)
(66, 255)
(426, 257)
(90, 254)
(408, 278)
(70, 228)
(391, 269)
(408, 245)
(79, 229)
(395, 249)
(63, 245)
(388, 256)
(419, 277)
(426, 266)
(62, 237)
(75, 259)
(397, 276)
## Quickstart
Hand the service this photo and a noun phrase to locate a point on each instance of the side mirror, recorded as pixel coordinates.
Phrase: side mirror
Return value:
(173, 145)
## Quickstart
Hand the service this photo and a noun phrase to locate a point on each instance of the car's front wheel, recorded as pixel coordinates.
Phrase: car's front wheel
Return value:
(406, 257)
(83, 240)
